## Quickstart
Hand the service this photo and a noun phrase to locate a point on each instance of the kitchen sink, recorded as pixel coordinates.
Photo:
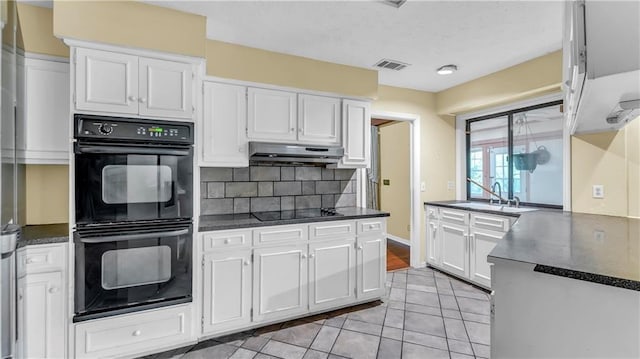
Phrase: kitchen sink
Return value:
(493, 207)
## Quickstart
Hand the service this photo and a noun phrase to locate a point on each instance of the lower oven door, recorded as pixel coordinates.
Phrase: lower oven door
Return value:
(116, 183)
(123, 271)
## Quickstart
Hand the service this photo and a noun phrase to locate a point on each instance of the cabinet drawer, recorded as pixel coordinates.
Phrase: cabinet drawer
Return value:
(41, 258)
(225, 239)
(277, 234)
(373, 226)
(133, 333)
(454, 216)
(332, 230)
(490, 222)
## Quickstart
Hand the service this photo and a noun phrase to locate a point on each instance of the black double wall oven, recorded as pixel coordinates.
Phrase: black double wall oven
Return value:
(133, 209)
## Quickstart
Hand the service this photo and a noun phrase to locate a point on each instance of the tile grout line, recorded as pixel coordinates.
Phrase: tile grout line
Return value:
(446, 336)
(463, 323)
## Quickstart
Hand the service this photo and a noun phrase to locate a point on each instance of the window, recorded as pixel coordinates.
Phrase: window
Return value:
(521, 150)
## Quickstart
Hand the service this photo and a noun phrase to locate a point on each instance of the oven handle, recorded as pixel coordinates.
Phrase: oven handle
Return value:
(128, 237)
(131, 150)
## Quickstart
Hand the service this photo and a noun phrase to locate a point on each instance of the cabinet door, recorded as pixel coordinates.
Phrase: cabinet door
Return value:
(165, 88)
(106, 81)
(272, 115)
(223, 126)
(318, 120)
(280, 282)
(332, 273)
(41, 319)
(226, 290)
(372, 266)
(455, 249)
(482, 243)
(356, 133)
(45, 112)
(433, 243)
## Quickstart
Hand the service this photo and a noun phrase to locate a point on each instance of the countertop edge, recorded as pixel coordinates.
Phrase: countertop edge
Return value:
(206, 228)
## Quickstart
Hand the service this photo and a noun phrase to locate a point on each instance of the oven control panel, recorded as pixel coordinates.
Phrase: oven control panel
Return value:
(113, 128)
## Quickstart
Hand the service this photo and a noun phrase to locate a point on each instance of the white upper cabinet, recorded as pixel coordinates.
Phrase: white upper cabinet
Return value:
(319, 119)
(224, 121)
(272, 115)
(106, 81)
(165, 88)
(356, 133)
(114, 82)
(43, 112)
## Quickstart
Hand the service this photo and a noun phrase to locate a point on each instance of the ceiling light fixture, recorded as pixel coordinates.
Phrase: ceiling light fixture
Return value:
(447, 69)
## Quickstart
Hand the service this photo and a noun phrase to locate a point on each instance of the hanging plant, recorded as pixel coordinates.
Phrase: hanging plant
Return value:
(529, 161)
(525, 161)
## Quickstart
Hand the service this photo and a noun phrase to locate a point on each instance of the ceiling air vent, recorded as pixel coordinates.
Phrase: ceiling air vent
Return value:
(391, 64)
(395, 3)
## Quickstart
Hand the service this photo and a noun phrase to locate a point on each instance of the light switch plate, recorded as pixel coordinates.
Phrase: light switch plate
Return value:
(598, 191)
(451, 185)
(423, 186)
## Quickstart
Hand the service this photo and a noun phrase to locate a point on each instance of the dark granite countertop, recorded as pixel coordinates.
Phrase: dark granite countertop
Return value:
(247, 220)
(44, 234)
(595, 248)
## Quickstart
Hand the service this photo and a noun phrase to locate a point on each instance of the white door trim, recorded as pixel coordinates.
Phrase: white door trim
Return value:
(414, 178)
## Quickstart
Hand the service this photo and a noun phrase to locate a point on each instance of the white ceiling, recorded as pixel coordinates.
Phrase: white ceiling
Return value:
(480, 37)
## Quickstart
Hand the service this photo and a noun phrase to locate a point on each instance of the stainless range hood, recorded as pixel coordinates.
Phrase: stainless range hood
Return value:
(277, 152)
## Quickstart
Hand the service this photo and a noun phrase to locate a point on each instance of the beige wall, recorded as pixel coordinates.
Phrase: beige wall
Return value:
(36, 27)
(250, 64)
(395, 198)
(537, 77)
(610, 159)
(131, 23)
(437, 137)
(47, 188)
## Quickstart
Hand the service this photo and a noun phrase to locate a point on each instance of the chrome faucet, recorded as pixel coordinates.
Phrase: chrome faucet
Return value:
(499, 195)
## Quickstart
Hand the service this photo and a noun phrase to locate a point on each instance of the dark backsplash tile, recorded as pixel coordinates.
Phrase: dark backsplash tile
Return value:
(273, 188)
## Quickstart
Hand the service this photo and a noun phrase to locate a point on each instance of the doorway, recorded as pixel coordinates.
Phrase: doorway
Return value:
(389, 186)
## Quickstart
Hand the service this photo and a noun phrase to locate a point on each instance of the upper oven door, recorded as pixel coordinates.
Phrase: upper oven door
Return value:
(116, 183)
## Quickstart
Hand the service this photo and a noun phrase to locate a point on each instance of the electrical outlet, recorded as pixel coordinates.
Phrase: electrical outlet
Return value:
(423, 186)
(599, 235)
(451, 185)
(386, 182)
(598, 191)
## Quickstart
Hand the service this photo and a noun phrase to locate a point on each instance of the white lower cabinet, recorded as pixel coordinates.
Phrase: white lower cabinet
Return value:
(455, 251)
(332, 273)
(133, 333)
(482, 242)
(279, 282)
(459, 242)
(41, 295)
(40, 300)
(372, 265)
(226, 293)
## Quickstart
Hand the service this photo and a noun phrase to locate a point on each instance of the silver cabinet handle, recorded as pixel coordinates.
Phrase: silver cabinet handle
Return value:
(136, 333)
(30, 260)
(359, 248)
(143, 100)
(300, 130)
(54, 290)
(292, 129)
(132, 98)
(304, 256)
(246, 263)
(227, 241)
(312, 255)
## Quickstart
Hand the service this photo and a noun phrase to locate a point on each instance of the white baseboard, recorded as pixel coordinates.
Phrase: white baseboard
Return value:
(397, 239)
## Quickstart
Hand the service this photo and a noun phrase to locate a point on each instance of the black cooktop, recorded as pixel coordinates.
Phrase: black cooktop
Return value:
(297, 214)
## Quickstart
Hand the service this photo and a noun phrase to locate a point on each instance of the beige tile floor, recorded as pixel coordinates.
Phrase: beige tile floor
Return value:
(427, 314)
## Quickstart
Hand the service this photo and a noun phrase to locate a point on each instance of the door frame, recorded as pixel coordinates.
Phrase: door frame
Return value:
(414, 180)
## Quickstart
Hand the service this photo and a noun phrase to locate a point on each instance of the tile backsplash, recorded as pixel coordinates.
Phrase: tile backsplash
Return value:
(275, 188)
